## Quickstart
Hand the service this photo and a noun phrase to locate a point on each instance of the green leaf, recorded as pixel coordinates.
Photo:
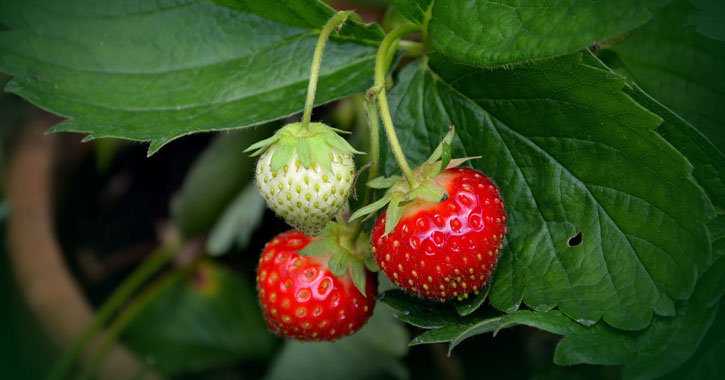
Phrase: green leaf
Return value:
(384, 182)
(709, 20)
(422, 312)
(680, 68)
(417, 11)
(468, 306)
(205, 321)
(238, 222)
(708, 162)
(372, 353)
(706, 362)
(649, 353)
(499, 32)
(663, 346)
(198, 205)
(155, 71)
(308, 14)
(339, 263)
(572, 153)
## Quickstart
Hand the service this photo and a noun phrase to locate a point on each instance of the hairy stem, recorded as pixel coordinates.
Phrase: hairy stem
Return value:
(371, 111)
(336, 20)
(381, 69)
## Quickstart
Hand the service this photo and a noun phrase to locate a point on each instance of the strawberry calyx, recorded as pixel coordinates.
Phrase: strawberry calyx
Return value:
(346, 256)
(400, 193)
(313, 144)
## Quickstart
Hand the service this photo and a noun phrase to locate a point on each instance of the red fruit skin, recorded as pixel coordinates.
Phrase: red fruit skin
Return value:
(448, 249)
(300, 297)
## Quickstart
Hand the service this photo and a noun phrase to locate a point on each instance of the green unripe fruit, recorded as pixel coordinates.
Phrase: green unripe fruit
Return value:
(305, 175)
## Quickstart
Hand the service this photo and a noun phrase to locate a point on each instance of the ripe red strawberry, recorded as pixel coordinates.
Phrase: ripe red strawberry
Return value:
(302, 299)
(446, 249)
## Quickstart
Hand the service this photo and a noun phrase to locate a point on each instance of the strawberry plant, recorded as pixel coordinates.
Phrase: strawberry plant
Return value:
(433, 188)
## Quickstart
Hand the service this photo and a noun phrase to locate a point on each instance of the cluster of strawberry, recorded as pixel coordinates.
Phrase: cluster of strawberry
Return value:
(438, 238)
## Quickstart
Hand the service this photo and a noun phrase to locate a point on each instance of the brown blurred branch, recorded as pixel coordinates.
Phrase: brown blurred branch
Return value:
(40, 270)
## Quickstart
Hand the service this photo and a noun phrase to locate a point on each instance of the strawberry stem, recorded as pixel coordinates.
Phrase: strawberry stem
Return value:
(381, 68)
(336, 20)
(371, 111)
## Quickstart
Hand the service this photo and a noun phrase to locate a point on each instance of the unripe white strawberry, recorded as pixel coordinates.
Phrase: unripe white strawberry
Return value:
(305, 175)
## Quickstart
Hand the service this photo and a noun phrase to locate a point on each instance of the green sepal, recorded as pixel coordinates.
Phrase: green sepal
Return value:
(431, 192)
(319, 247)
(371, 264)
(339, 263)
(285, 149)
(383, 182)
(446, 156)
(303, 153)
(261, 146)
(342, 131)
(458, 161)
(357, 272)
(371, 208)
(438, 152)
(336, 141)
(392, 216)
(321, 153)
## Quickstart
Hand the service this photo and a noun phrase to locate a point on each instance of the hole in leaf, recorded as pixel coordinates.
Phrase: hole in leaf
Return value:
(575, 240)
